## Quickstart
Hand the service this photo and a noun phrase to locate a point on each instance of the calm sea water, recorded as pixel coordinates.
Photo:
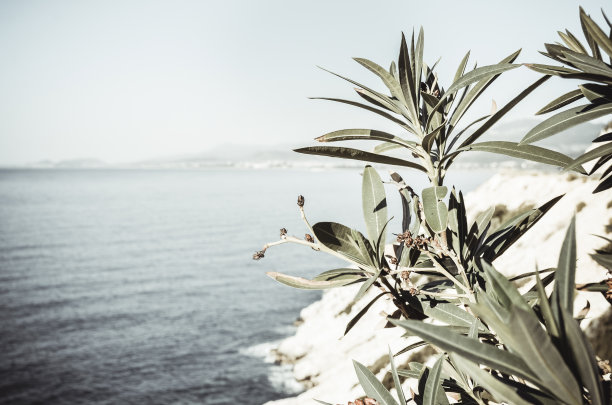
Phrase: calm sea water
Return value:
(137, 286)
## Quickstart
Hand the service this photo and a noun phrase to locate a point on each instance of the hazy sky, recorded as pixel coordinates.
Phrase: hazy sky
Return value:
(129, 80)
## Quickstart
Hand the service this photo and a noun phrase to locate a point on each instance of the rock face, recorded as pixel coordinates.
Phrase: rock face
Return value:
(323, 358)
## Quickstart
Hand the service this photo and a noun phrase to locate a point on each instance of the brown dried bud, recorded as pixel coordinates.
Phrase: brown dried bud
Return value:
(283, 232)
(309, 238)
(609, 292)
(393, 260)
(413, 291)
(258, 255)
(300, 201)
(405, 275)
(370, 401)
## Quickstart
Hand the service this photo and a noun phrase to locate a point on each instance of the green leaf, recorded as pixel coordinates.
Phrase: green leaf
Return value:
(299, 282)
(346, 241)
(374, 202)
(536, 347)
(547, 313)
(508, 233)
(471, 349)
(339, 273)
(476, 75)
(566, 119)
(501, 392)
(596, 33)
(355, 154)
(476, 91)
(361, 313)
(448, 313)
(372, 387)
(365, 286)
(599, 151)
(436, 213)
(433, 387)
(385, 147)
(396, 381)
(561, 101)
(381, 99)
(596, 93)
(506, 293)
(502, 111)
(365, 107)
(411, 347)
(583, 357)
(364, 134)
(387, 78)
(566, 270)
(407, 81)
(526, 152)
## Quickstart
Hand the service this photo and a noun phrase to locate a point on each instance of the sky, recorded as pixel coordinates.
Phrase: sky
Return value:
(124, 81)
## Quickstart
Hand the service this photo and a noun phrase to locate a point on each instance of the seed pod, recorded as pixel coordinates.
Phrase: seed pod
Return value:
(300, 201)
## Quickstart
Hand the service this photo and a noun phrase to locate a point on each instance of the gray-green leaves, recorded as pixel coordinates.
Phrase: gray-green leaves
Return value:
(436, 212)
(374, 202)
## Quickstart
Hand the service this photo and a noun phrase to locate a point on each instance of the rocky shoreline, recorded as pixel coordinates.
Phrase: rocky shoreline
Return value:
(322, 357)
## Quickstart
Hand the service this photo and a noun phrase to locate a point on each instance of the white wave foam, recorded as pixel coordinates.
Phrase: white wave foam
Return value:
(262, 351)
(282, 379)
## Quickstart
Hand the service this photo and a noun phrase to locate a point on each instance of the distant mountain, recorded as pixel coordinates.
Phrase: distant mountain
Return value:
(572, 142)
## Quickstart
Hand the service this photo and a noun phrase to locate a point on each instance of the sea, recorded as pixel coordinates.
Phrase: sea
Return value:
(130, 286)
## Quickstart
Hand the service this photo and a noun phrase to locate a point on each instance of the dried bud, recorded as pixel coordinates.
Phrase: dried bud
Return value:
(300, 201)
(413, 291)
(258, 255)
(309, 238)
(283, 232)
(609, 292)
(405, 275)
(370, 401)
(393, 260)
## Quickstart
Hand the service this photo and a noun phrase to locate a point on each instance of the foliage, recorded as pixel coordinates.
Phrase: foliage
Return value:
(586, 63)
(495, 343)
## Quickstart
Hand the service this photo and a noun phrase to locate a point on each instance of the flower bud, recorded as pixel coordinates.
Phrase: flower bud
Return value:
(300, 201)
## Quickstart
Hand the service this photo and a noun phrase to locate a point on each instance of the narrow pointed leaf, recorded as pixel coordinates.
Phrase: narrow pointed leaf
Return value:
(599, 151)
(387, 78)
(473, 94)
(565, 120)
(372, 387)
(374, 202)
(476, 75)
(597, 34)
(584, 357)
(561, 101)
(356, 154)
(566, 269)
(396, 381)
(503, 111)
(500, 391)
(365, 107)
(547, 313)
(526, 152)
(302, 283)
(534, 345)
(385, 147)
(363, 134)
(433, 387)
(361, 313)
(471, 349)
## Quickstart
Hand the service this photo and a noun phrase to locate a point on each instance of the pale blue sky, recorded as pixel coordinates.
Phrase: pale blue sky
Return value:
(129, 80)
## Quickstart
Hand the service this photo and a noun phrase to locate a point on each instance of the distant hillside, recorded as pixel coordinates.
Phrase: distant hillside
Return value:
(571, 142)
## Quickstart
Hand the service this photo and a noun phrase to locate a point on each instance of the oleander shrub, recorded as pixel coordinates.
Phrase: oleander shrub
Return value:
(495, 344)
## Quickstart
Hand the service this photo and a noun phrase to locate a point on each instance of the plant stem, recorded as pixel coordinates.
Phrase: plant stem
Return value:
(447, 274)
